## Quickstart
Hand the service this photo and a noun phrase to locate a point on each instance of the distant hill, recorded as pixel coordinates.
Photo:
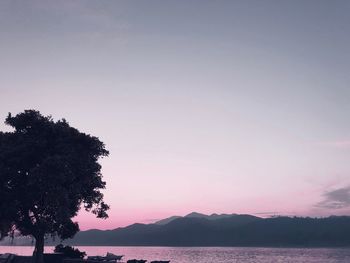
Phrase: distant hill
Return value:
(209, 217)
(225, 230)
(194, 215)
(167, 220)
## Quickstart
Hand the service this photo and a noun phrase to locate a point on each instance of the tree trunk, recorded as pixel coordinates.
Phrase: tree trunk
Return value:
(38, 254)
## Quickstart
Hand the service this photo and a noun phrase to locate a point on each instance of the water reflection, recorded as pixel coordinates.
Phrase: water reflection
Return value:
(213, 254)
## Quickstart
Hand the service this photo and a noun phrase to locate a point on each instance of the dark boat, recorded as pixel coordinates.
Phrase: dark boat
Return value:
(136, 261)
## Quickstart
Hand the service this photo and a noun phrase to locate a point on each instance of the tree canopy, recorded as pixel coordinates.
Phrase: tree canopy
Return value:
(48, 171)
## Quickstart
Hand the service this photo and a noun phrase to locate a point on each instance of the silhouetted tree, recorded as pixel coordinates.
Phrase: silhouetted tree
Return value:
(48, 170)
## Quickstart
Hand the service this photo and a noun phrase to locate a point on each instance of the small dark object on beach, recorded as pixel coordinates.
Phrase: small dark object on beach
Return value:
(69, 252)
(136, 261)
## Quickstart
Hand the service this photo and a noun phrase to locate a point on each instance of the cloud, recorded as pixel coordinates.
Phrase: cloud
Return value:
(336, 199)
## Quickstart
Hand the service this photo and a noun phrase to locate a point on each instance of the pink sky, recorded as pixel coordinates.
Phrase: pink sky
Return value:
(214, 108)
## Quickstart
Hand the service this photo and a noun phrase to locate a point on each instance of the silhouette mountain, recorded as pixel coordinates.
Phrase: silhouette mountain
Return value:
(194, 215)
(225, 230)
(167, 220)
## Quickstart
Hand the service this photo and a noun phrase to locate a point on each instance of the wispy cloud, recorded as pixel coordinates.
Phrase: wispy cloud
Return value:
(336, 199)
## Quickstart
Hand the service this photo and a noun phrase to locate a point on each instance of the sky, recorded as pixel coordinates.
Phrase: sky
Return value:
(211, 106)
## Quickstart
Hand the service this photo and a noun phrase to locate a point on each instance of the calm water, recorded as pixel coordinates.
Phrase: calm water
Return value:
(213, 254)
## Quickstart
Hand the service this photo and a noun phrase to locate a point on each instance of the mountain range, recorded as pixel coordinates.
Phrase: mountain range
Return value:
(198, 229)
(194, 215)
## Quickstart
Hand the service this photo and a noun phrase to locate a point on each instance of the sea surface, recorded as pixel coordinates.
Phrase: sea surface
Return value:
(211, 254)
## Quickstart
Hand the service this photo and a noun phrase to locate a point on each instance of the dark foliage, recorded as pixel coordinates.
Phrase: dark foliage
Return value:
(69, 252)
(48, 170)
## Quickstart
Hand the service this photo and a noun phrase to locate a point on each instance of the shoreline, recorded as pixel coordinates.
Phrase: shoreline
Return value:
(151, 246)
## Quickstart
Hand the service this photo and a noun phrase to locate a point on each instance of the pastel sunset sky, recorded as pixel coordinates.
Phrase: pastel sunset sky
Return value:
(208, 106)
